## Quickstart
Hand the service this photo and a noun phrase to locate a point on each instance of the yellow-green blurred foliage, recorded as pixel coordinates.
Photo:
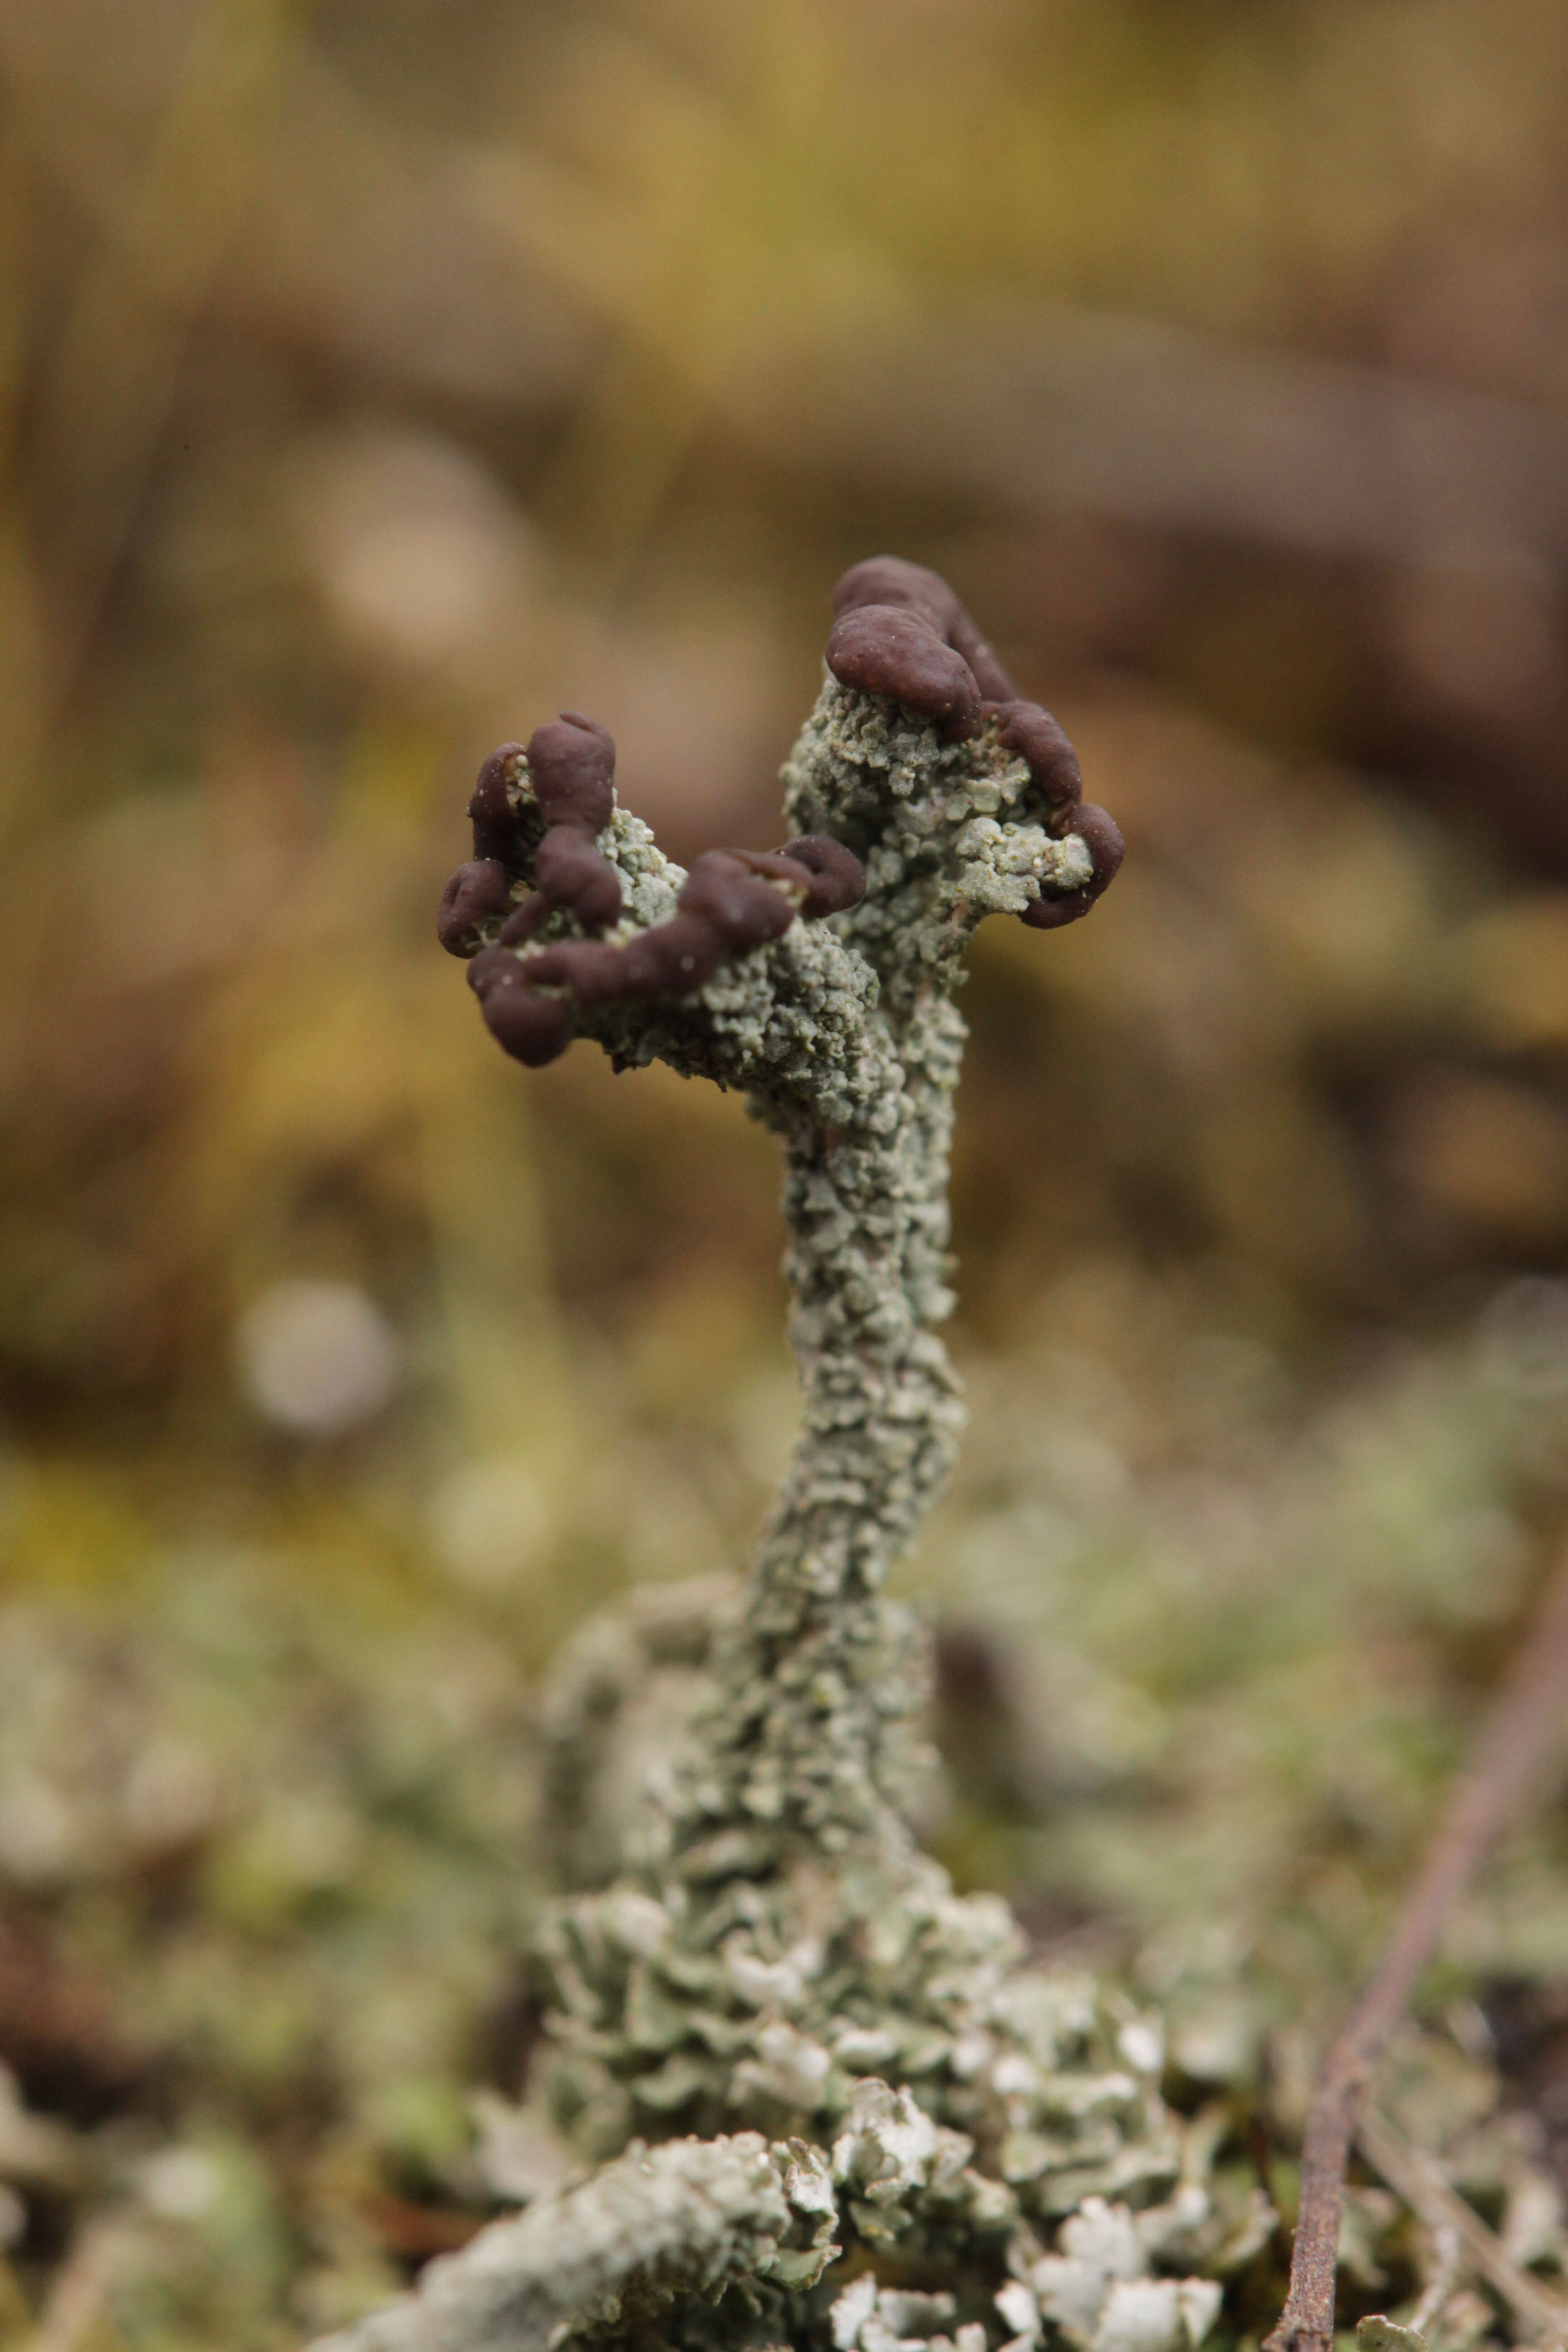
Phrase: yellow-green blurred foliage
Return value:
(378, 376)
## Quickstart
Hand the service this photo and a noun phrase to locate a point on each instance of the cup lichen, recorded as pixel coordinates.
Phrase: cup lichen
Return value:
(812, 2094)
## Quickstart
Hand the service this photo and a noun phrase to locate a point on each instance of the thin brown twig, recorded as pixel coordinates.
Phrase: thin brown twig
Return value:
(1526, 1712)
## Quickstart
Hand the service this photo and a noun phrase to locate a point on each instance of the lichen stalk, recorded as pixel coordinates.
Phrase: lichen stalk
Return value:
(742, 1971)
(865, 1205)
(870, 2067)
(878, 2127)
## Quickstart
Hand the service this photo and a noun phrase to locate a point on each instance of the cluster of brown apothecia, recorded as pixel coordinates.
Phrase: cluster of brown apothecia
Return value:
(732, 898)
(900, 633)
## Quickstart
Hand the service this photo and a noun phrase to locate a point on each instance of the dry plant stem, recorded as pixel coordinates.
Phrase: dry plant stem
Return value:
(1448, 2255)
(1527, 1714)
(1414, 2177)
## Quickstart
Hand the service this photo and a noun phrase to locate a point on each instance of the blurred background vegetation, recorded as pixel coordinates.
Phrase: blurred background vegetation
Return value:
(376, 379)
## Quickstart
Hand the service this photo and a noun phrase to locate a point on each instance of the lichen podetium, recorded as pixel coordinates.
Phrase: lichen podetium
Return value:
(872, 2124)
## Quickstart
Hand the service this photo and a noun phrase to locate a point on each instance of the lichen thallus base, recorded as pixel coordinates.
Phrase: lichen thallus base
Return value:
(812, 2096)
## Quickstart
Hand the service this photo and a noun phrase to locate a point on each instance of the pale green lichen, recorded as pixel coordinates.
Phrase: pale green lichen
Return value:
(690, 2218)
(908, 2138)
(844, 1037)
(776, 1954)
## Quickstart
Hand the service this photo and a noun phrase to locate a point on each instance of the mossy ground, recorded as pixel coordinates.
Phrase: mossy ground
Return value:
(270, 1822)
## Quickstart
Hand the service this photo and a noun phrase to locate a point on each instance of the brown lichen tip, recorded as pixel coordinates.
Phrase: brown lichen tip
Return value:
(492, 810)
(837, 876)
(732, 900)
(900, 633)
(890, 580)
(477, 893)
(673, 959)
(532, 1028)
(1102, 836)
(571, 873)
(572, 763)
(742, 905)
(1039, 743)
(892, 650)
(1037, 738)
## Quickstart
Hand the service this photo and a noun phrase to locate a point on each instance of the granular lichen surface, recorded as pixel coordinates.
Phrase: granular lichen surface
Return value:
(797, 2089)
